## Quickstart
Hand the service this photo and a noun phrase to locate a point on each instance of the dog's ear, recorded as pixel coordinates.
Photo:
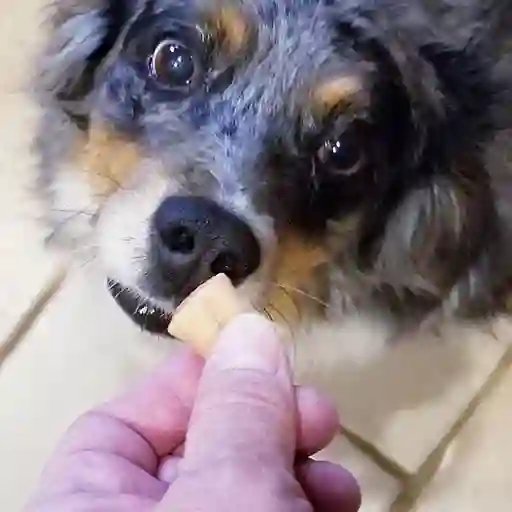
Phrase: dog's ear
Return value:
(433, 218)
(444, 236)
(81, 34)
(438, 243)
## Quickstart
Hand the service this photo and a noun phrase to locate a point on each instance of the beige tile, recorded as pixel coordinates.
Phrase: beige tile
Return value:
(81, 351)
(378, 489)
(20, 35)
(405, 398)
(26, 267)
(476, 474)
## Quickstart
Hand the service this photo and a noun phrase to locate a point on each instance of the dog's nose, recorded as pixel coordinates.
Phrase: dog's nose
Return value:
(194, 239)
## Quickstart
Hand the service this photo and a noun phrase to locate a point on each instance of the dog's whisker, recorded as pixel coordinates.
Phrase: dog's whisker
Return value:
(270, 309)
(121, 289)
(267, 314)
(73, 212)
(314, 175)
(140, 302)
(107, 177)
(84, 262)
(62, 224)
(291, 289)
(279, 313)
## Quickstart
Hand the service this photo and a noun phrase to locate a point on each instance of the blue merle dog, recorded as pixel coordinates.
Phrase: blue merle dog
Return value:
(345, 155)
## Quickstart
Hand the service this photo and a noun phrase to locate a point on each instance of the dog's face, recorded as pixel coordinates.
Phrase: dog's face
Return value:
(264, 139)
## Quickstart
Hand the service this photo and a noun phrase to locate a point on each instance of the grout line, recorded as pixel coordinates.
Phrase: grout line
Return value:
(395, 469)
(32, 313)
(385, 463)
(417, 483)
(414, 484)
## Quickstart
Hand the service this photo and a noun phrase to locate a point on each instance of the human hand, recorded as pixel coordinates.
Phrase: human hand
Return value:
(230, 435)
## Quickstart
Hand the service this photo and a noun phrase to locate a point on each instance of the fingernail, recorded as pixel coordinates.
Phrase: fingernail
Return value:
(250, 342)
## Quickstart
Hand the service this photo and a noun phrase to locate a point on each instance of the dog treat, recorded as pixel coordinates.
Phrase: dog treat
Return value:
(199, 319)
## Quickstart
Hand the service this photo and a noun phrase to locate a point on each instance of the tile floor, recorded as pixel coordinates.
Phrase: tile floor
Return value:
(428, 425)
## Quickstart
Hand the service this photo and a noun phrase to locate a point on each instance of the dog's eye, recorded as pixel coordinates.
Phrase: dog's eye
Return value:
(343, 156)
(173, 64)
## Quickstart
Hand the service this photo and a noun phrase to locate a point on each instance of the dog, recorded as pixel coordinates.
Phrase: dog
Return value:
(328, 156)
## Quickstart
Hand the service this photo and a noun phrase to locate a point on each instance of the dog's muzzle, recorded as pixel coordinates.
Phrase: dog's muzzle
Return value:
(191, 240)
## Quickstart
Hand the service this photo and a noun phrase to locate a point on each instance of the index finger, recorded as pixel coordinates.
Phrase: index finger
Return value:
(146, 422)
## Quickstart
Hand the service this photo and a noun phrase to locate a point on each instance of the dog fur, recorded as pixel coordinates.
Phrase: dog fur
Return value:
(421, 226)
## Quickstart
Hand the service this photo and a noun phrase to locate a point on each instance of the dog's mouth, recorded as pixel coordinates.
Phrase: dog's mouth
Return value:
(142, 310)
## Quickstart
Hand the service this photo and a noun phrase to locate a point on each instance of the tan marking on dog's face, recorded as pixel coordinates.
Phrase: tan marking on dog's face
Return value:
(108, 158)
(230, 27)
(296, 261)
(340, 91)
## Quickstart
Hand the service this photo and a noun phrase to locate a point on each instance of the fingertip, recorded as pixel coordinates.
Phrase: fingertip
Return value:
(318, 420)
(168, 469)
(250, 342)
(329, 487)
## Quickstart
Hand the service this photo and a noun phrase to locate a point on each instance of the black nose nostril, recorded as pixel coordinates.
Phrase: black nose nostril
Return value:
(179, 239)
(229, 264)
(195, 238)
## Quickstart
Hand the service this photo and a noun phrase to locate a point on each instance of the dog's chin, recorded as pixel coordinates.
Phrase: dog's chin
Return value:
(143, 311)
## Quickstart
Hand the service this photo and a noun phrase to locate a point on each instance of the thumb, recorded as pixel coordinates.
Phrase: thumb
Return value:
(245, 408)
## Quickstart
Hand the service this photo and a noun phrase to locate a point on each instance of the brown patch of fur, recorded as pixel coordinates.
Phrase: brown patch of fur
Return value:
(337, 92)
(230, 28)
(295, 288)
(108, 158)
